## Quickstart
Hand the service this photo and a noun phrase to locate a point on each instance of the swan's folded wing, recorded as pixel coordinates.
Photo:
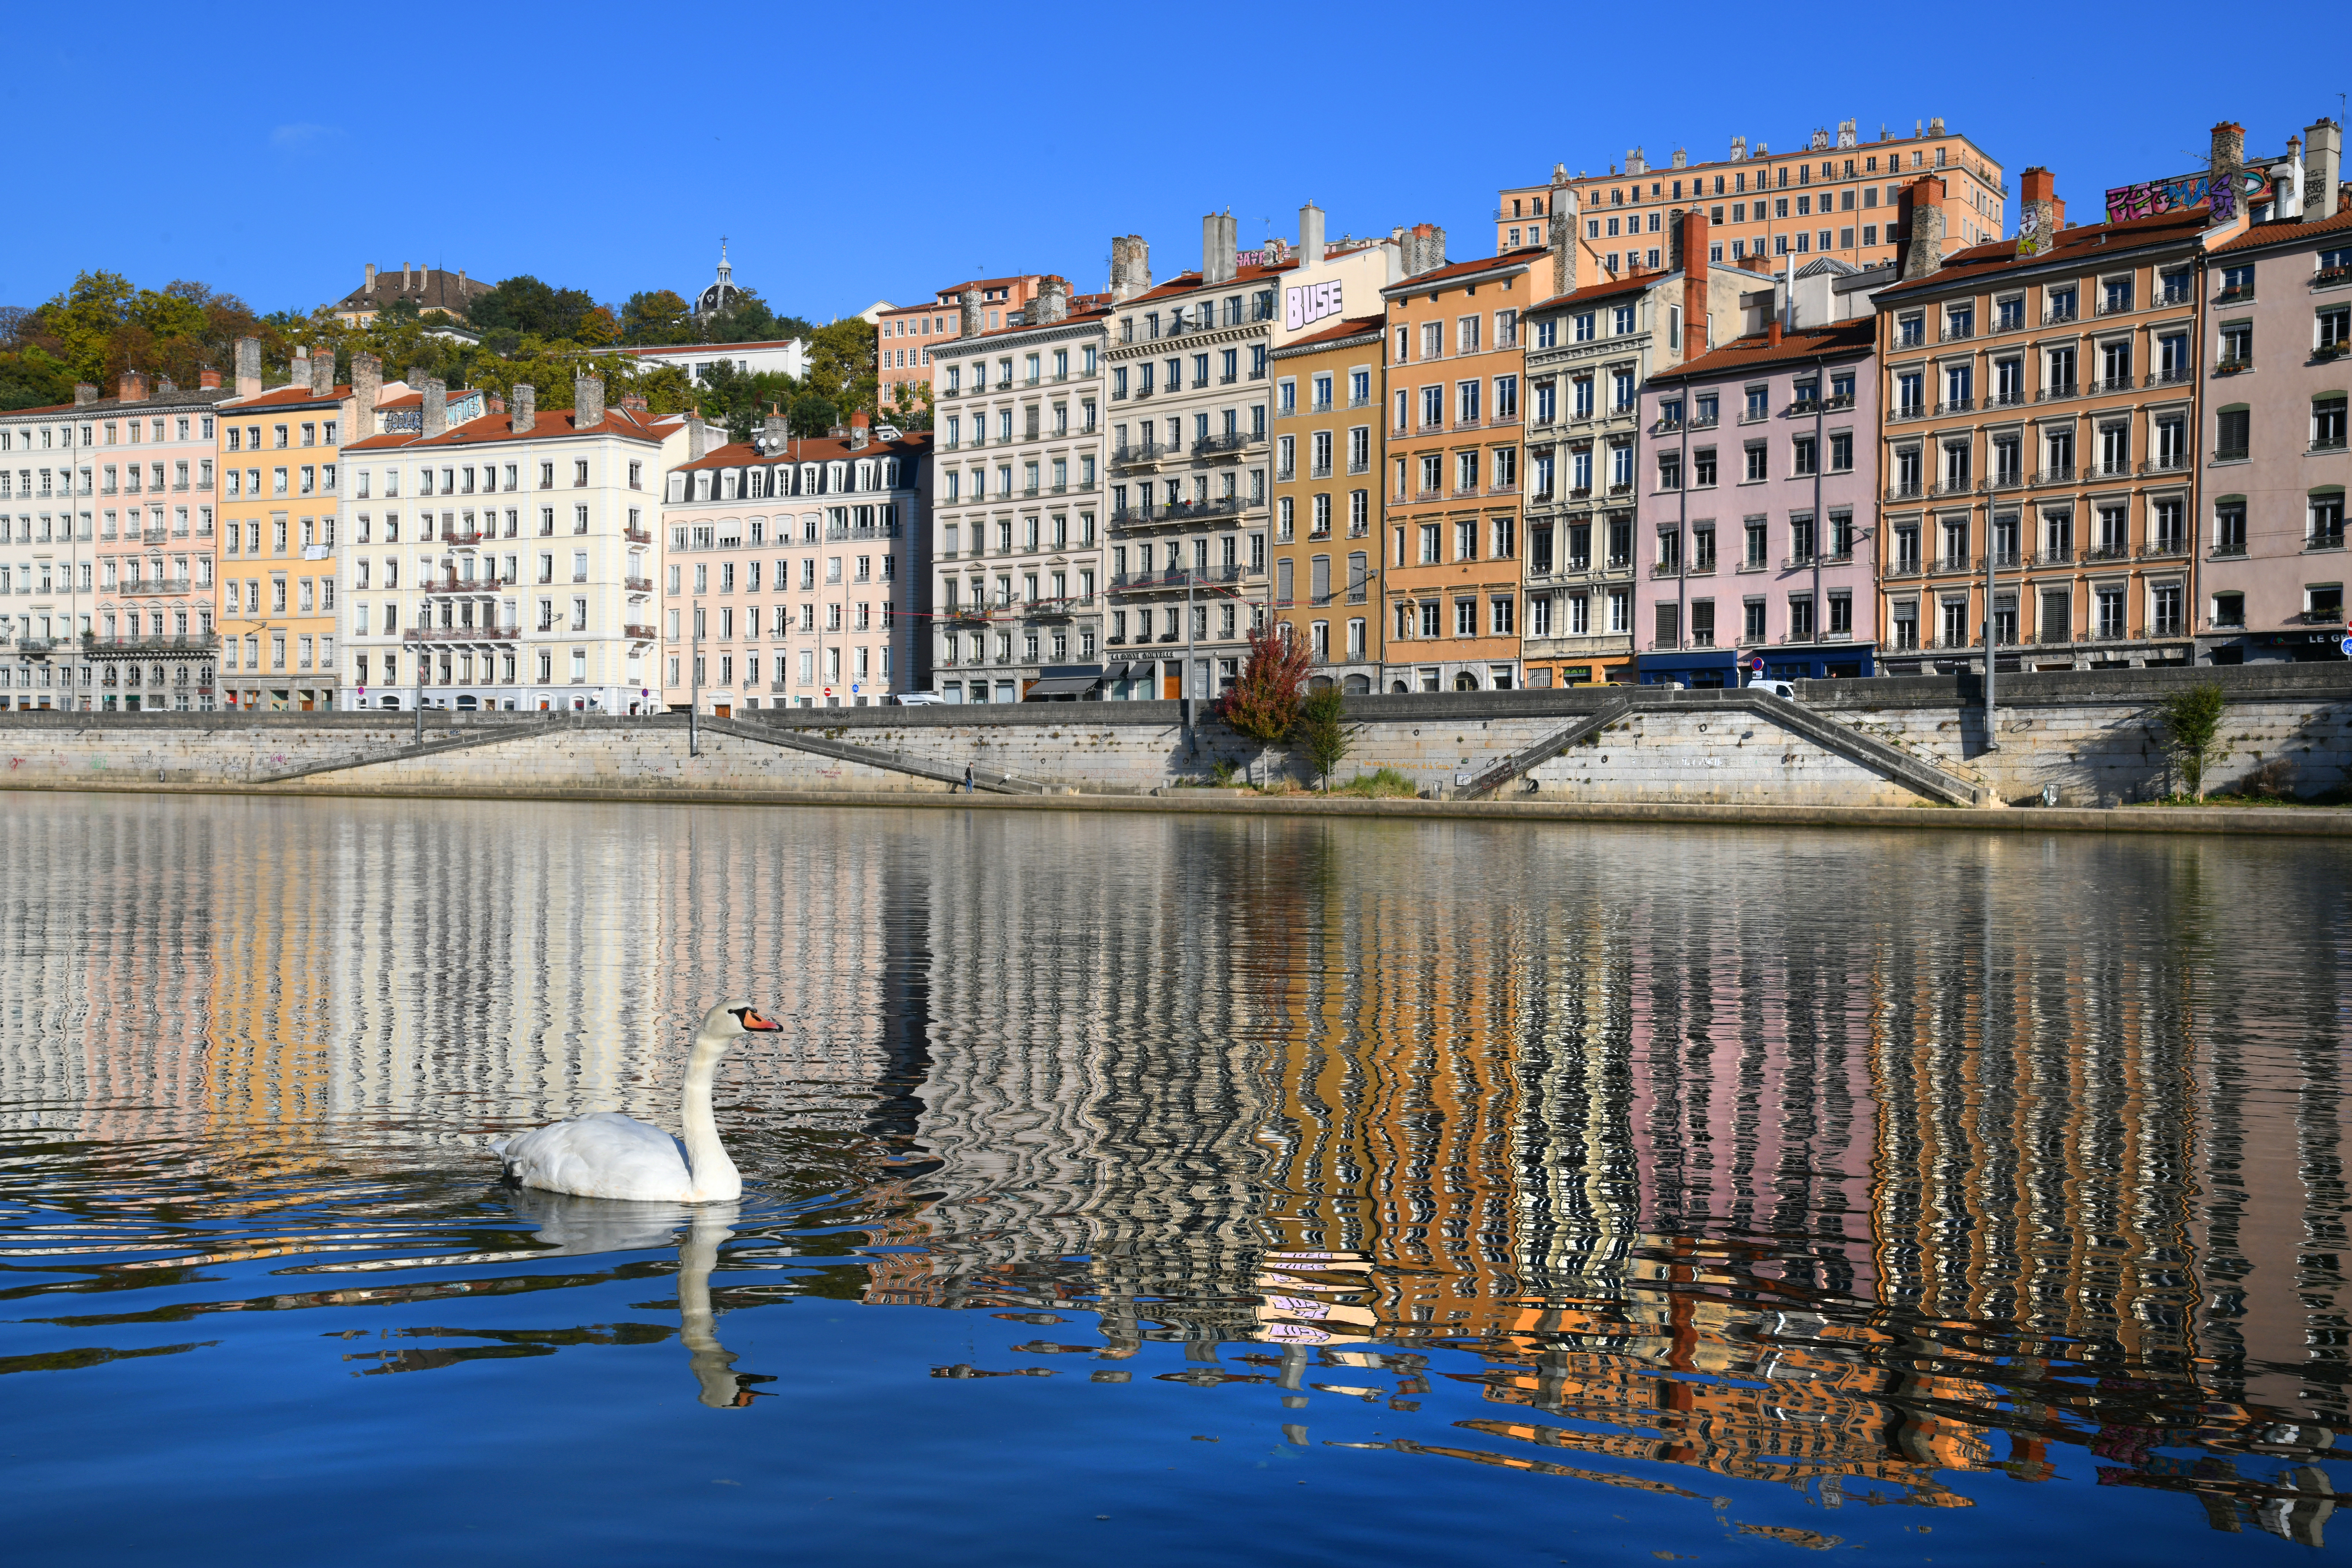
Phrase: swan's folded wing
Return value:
(605, 1156)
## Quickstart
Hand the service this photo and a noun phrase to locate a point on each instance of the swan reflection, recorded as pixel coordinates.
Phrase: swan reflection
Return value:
(582, 1227)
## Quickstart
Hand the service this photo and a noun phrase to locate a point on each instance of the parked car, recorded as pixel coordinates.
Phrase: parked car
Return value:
(1774, 687)
(914, 699)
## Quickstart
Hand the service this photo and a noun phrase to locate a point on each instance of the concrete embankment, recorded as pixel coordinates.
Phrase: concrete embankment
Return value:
(1909, 753)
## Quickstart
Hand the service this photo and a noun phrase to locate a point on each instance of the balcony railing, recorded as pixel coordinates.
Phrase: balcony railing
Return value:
(637, 585)
(2114, 306)
(1957, 405)
(2055, 394)
(1139, 452)
(2112, 468)
(637, 535)
(2229, 454)
(451, 584)
(149, 585)
(2164, 549)
(150, 535)
(2059, 475)
(1218, 446)
(1959, 332)
(2232, 364)
(461, 634)
(2177, 462)
(2058, 315)
(99, 646)
(1905, 492)
(635, 633)
(2168, 378)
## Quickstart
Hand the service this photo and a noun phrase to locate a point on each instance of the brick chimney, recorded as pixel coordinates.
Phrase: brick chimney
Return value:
(436, 406)
(1130, 267)
(2323, 171)
(1562, 231)
(367, 391)
(522, 407)
(132, 387)
(1052, 301)
(1693, 233)
(248, 367)
(84, 394)
(587, 402)
(1923, 229)
(1425, 250)
(860, 430)
(2038, 190)
(209, 380)
(2229, 153)
(322, 374)
(1218, 248)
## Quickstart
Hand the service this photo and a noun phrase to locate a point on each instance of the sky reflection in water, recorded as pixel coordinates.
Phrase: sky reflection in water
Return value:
(1171, 1189)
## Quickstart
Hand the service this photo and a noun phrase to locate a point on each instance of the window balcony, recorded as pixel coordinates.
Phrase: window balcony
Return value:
(2057, 394)
(2235, 296)
(2112, 384)
(465, 634)
(2326, 539)
(2062, 475)
(1901, 413)
(634, 585)
(2165, 550)
(2112, 468)
(150, 586)
(2059, 315)
(2328, 443)
(1906, 568)
(449, 583)
(97, 646)
(2055, 557)
(2098, 553)
(1897, 492)
(2229, 454)
(1224, 445)
(1959, 332)
(2114, 306)
(637, 535)
(1952, 488)
(2232, 366)
(149, 535)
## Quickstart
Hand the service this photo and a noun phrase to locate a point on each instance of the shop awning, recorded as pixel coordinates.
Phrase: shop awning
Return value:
(1060, 686)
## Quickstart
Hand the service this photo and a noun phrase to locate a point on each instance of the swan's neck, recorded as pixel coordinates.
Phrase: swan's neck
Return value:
(710, 1360)
(713, 1173)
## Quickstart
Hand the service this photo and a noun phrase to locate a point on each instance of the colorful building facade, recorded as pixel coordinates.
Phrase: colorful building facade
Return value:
(1328, 394)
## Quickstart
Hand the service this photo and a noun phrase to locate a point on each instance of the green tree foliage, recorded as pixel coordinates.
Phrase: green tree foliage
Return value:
(654, 318)
(102, 326)
(812, 413)
(728, 396)
(526, 307)
(2192, 731)
(1323, 731)
(841, 365)
(1262, 705)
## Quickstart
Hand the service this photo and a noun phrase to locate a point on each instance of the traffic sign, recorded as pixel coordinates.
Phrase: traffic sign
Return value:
(2346, 645)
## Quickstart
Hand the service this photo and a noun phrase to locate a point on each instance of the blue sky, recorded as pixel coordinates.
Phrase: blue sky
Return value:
(855, 152)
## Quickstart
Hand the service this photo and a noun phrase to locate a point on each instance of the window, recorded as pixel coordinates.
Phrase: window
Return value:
(2231, 430)
(1759, 461)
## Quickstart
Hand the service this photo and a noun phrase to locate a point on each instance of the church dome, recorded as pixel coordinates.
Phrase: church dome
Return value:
(721, 295)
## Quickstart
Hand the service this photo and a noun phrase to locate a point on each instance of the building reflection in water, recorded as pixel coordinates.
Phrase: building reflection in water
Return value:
(1857, 1162)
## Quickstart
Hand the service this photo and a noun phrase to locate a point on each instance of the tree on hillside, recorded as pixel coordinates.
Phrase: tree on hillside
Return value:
(841, 365)
(527, 306)
(812, 413)
(728, 396)
(654, 318)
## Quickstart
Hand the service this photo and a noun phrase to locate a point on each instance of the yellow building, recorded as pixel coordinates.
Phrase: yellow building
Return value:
(1327, 457)
(279, 455)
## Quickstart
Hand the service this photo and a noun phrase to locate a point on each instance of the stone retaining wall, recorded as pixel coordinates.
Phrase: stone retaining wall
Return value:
(2094, 736)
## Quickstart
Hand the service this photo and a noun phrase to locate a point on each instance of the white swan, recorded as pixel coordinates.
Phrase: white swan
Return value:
(606, 1155)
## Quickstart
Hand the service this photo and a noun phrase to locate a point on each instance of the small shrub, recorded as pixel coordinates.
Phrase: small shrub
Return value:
(2274, 780)
(1386, 783)
(1223, 773)
(2192, 731)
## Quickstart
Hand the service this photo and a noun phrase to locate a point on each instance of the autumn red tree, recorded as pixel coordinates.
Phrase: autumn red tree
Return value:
(1263, 704)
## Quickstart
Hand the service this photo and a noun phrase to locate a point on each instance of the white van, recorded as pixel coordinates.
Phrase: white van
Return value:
(914, 699)
(1774, 687)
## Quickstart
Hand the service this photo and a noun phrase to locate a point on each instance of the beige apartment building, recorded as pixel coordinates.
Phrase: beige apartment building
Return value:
(906, 336)
(1017, 546)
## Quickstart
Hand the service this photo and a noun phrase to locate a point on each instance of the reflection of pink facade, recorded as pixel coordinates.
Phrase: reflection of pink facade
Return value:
(2275, 463)
(1758, 476)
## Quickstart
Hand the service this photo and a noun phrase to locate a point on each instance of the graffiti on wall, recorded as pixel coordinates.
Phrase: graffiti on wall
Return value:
(2154, 198)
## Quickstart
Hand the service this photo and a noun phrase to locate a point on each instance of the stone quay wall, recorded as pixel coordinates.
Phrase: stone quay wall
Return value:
(2094, 735)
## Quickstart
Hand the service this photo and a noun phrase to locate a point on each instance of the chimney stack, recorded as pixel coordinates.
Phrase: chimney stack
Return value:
(322, 374)
(1425, 250)
(297, 368)
(1052, 301)
(1697, 273)
(1310, 238)
(1218, 262)
(587, 402)
(436, 407)
(84, 394)
(2323, 171)
(367, 391)
(2037, 189)
(1772, 329)
(970, 302)
(2228, 152)
(1130, 267)
(248, 367)
(773, 431)
(1562, 231)
(698, 436)
(132, 387)
(860, 430)
(1923, 229)
(208, 380)
(371, 279)
(403, 278)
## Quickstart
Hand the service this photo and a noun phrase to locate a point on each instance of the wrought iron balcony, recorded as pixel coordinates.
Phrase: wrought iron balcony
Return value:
(97, 646)
(152, 586)
(464, 634)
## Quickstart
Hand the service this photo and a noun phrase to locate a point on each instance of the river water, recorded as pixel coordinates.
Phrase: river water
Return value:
(1333, 1191)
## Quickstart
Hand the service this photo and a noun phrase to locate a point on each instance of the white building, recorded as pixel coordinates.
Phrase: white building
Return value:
(786, 356)
(1019, 544)
(506, 563)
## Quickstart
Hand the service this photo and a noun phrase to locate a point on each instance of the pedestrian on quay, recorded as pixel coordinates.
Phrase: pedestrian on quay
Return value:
(967, 778)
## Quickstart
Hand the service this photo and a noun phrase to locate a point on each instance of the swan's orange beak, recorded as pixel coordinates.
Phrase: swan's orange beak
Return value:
(757, 1022)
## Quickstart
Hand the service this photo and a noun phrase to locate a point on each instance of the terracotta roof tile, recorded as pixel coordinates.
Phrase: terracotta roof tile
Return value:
(1757, 350)
(548, 423)
(1602, 290)
(2084, 244)
(812, 449)
(1523, 257)
(2286, 231)
(1354, 327)
(286, 397)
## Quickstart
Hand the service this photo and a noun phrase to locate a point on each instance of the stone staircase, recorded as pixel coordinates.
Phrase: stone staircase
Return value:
(1483, 784)
(989, 778)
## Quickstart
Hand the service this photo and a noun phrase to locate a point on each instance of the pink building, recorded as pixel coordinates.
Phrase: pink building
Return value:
(2277, 368)
(1758, 478)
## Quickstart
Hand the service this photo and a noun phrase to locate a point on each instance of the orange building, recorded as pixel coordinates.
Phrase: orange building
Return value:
(1455, 375)
(906, 336)
(1326, 462)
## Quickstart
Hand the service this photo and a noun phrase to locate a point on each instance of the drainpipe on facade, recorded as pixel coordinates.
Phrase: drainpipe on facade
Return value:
(1821, 519)
(1992, 732)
